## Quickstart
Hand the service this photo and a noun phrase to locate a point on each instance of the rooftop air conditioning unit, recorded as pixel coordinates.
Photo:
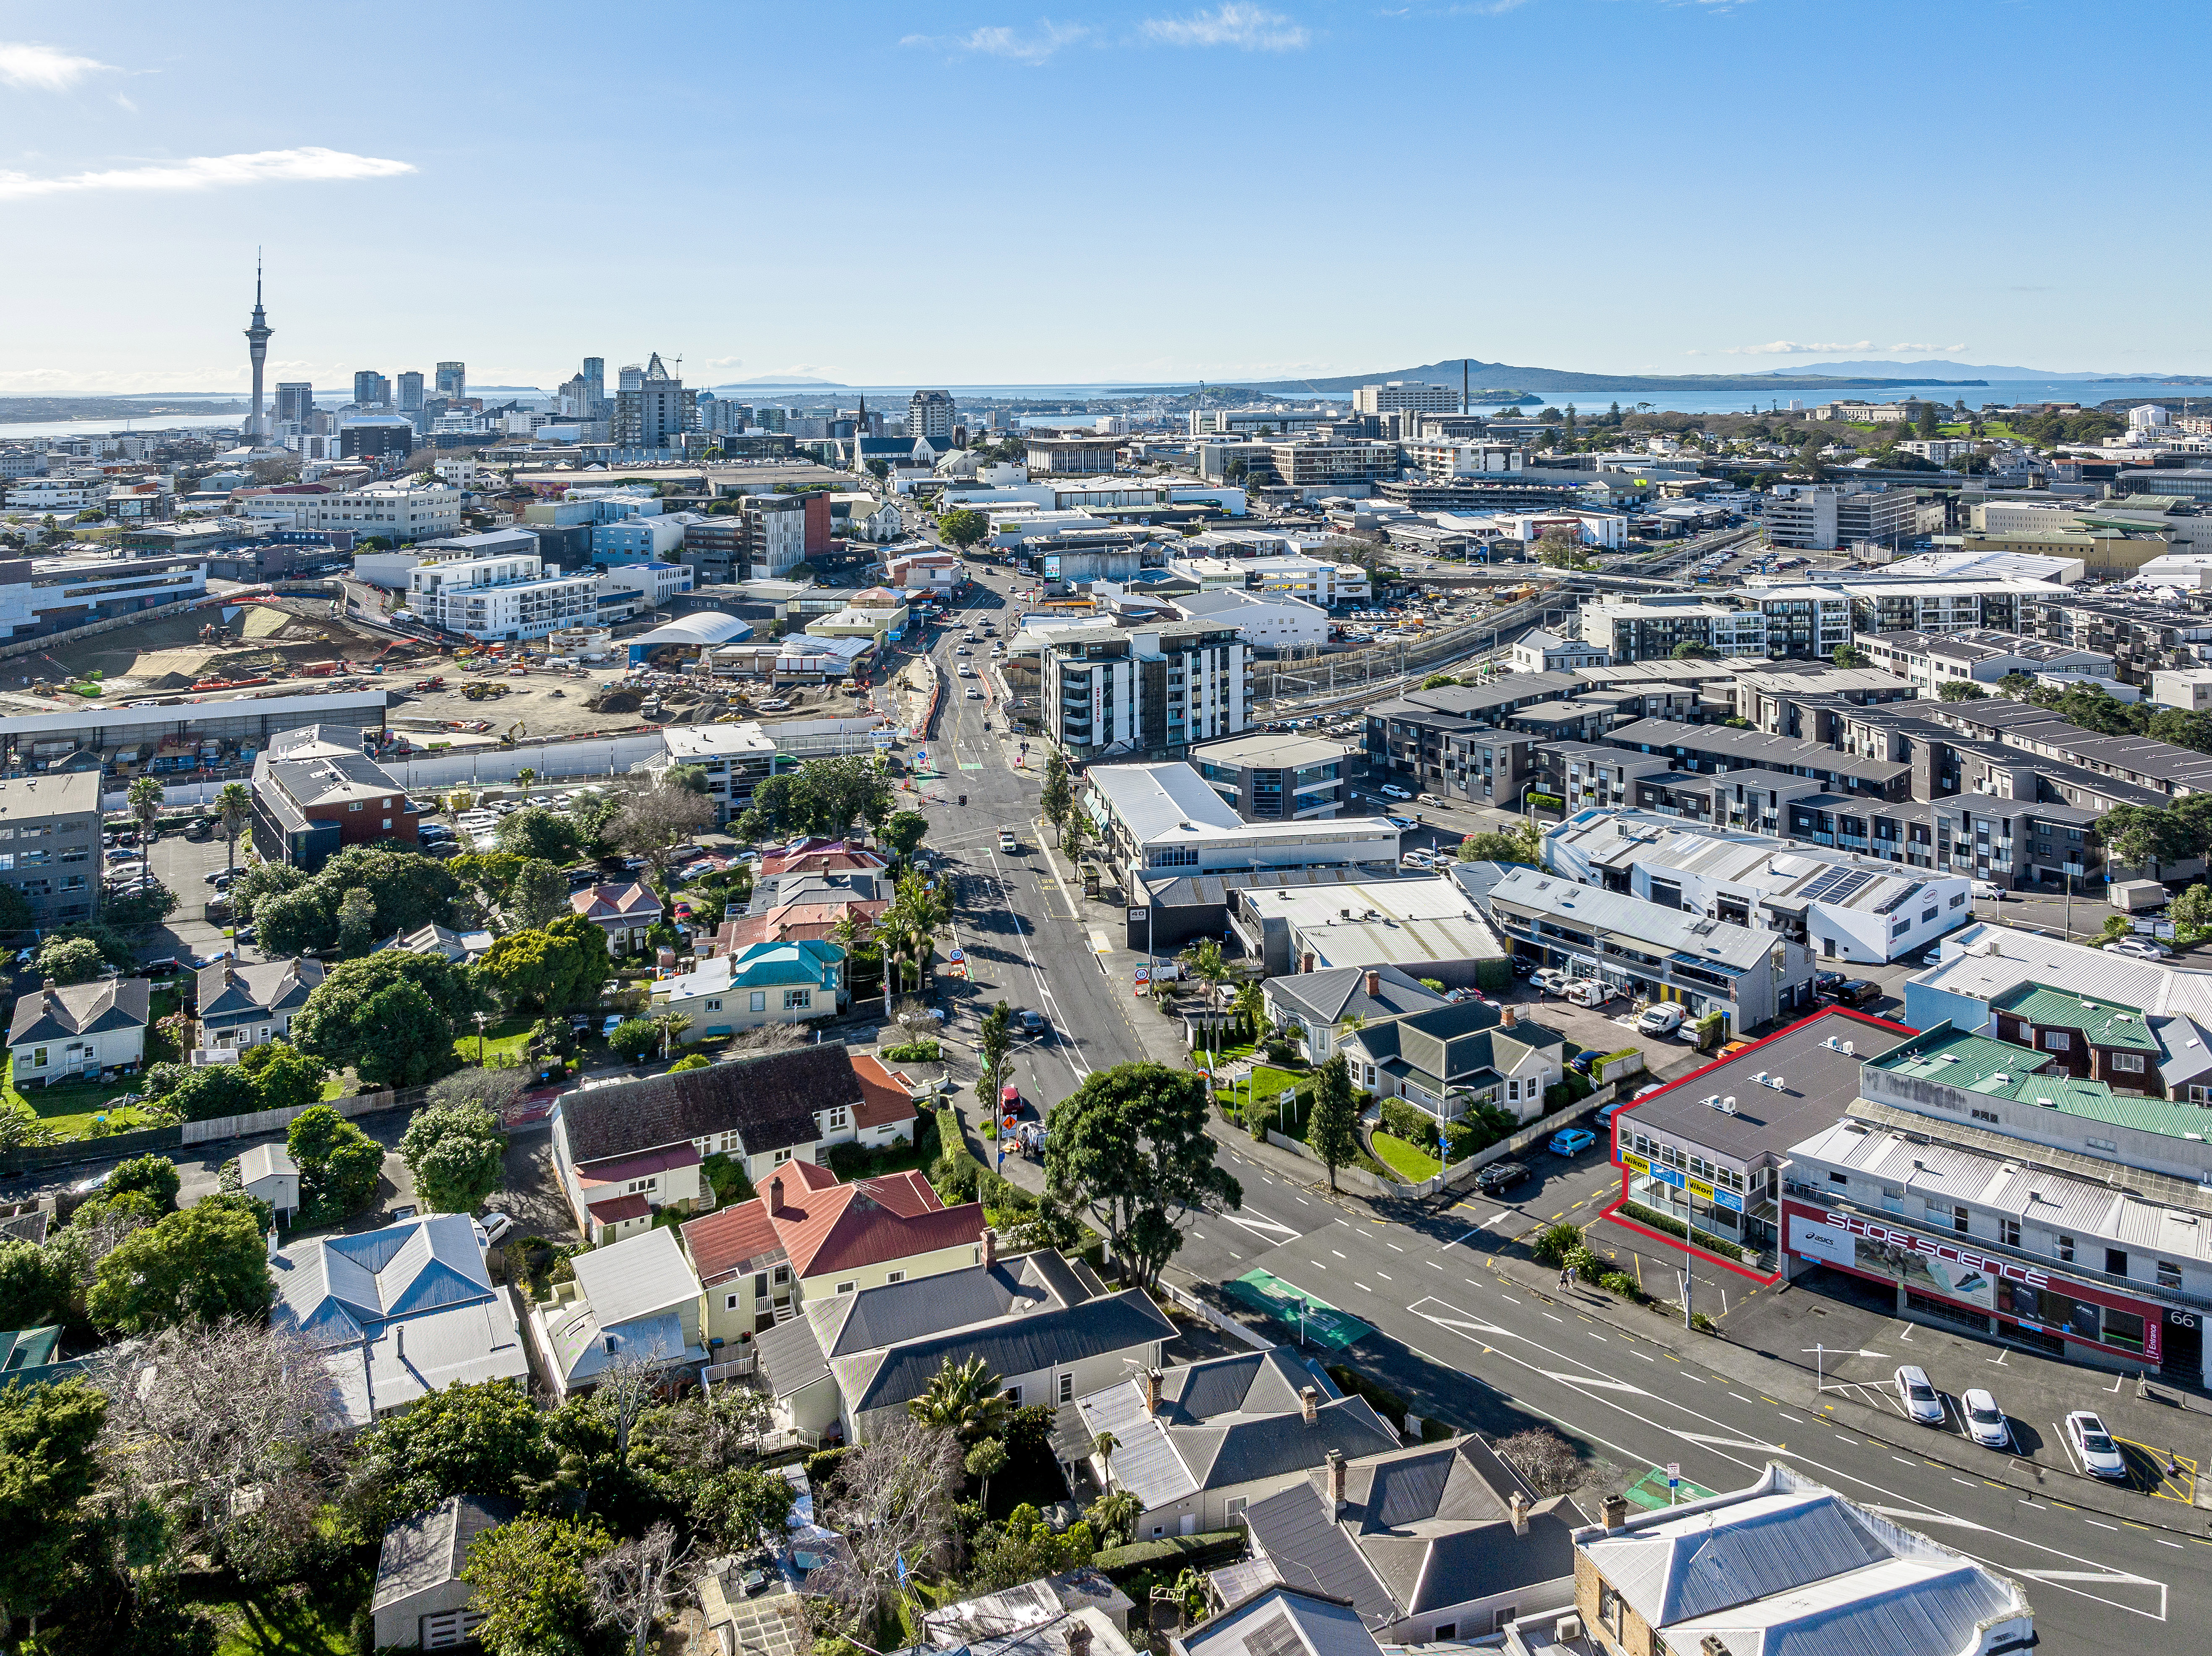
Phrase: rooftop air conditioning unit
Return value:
(1760, 1077)
(1727, 1105)
(1847, 1049)
(1778, 1085)
(1711, 1101)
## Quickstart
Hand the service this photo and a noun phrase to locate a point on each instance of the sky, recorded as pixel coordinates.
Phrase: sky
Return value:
(979, 191)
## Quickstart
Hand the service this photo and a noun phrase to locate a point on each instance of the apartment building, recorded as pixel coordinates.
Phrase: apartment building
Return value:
(2141, 763)
(1274, 778)
(1272, 621)
(1928, 661)
(1161, 685)
(1716, 747)
(1405, 397)
(2140, 637)
(50, 844)
(1317, 462)
(1650, 628)
(57, 495)
(736, 759)
(315, 792)
(398, 512)
(509, 597)
(1458, 739)
(1317, 580)
(38, 596)
(1442, 459)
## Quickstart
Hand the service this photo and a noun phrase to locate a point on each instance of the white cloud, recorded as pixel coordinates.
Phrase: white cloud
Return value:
(43, 69)
(1927, 350)
(1032, 45)
(1248, 27)
(311, 164)
(1793, 348)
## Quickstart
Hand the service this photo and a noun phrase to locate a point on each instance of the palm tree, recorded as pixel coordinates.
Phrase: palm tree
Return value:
(524, 777)
(1207, 966)
(672, 1026)
(1251, 1005)
(145, 797)
(233, 809)
(968, 1401)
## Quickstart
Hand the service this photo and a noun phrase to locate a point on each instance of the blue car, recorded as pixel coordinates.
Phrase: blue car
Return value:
(1572, 1141)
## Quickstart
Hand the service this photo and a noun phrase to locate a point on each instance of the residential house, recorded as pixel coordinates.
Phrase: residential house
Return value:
(1448, 1060)
(82, 1031)
(807, 1235)
(1786, 1564)
(792, 922)
(27, 1356)
(243, 1004)
(1079, 1612)
(461, 948)
(267, 1173)
(623, 1152)
(634, 1299)
(1276, 1621)
(1437, 1542)
(420, 1600)
(399, 1311)
(1199, 1443)
(624, 912)
(1323, 1007)
(1048, 1329)
(818, 856)
(762, 983)
(315, 792)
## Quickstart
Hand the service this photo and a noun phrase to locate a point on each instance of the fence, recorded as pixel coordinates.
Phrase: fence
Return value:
(1542, 1127)
(1351, 1179)
(261, 1121)
(30, 1159)
(1227, 1325)
(551, 757)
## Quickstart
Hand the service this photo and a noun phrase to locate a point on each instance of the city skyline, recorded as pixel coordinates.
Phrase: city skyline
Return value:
(1602, 186)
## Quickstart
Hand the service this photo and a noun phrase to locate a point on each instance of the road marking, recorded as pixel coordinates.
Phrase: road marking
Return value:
(1337, 1252)
(1562, 1321)
(1740, 1397)
(1432, 1264)
(1394, 1247)
(1840, 1438)
(1384, 1274)
(1361, 1286)
(2100, 1525)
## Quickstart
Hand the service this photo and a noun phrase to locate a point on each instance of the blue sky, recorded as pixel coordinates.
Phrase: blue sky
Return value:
(985, 191)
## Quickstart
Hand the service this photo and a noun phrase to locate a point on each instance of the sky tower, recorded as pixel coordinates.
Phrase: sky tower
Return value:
(257, 345)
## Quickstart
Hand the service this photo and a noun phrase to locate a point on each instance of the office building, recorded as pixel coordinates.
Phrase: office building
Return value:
(53, 864)
(371, 389)
(398, 512)
(315, 792)
(296, 404)
(453, 379)
(409, 387)
(1159, 686)
(652, 408)
(1405, 397)
(1268, 621)
(506, 597)
(931, 415)
(1167, 818)
(1443, 459)
(1055, 454)
(1276, 778)
(371, 437)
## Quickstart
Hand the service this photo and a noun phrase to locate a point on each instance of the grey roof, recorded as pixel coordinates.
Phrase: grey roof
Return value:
(1270, 750)
(34, 798)
(261, 1161)
(227, 989)
(1280, 1621)
(1820, 1083)
(1327, 998)
(428, 1551)
(790, 1356)
(338, 1289)
(1448, 1044)
(891, 1312)
(1753, 748)
(636, 1276)
(1669, 930)
(1021, 1343)
(81, 1008)
(770, 1101)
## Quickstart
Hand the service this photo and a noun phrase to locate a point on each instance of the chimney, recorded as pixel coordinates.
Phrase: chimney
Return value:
(1310, 1400)
(1616, 1513)
(1079, 1636)
(775, 1194)
(1511, 1016)
(48, 993)
(399, 1342)
(987, 1255)
(1519, 1505)
(1374, 985)
(1152, 1390)
(1335, 1483)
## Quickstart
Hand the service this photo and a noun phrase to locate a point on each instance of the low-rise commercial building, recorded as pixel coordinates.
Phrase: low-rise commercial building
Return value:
(1431, 927)
(1275, 622)
(1164, 819)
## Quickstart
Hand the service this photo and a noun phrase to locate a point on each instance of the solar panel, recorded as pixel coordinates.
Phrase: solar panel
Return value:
(1839, 884)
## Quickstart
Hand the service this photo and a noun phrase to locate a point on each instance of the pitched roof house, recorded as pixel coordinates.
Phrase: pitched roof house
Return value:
(63, 1035)
(1320, 1002)
(243, 1005)
(1436, 1542)
(638, 1298)
(421, 1599)
(461, 948)
(624, 1151)
(817, 856)
(1448, 1058)
(624, 912)
(398, 1312)
(806, 1235)
(764, 983)
(1202, 1441)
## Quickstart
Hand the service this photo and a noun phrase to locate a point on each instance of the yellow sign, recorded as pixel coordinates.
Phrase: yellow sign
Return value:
(1699, 1187)
(1634, 1162)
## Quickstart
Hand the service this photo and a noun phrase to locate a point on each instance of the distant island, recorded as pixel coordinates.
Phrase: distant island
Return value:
(15, 410)
(1555, 380)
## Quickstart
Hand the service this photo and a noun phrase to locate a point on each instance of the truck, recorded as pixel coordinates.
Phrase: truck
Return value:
(2136, 896)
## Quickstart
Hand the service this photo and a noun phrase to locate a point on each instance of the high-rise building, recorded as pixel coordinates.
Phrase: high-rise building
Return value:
(1405, 396)
(295, 403)
(370, 388)
(930, 414)
(256, 351)
(410, 392)
(653, 412)
(594, 377)
(453, 379)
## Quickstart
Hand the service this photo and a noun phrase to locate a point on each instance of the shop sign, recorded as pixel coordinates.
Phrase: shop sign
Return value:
(1699, 1187)
(1728, 1199)
(1669, 1176)
(1635, 1163)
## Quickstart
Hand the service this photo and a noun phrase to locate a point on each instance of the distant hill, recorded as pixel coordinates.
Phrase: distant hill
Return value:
(1484, 374)
(1943, 371)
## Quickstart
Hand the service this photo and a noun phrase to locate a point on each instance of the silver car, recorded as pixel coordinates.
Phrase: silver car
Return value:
(1920, 1400)
(1985, 1422)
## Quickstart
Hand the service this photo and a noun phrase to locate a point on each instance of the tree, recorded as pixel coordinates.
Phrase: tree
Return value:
(532, 1582)
(2183, 728)
(738, 1508)
(391, 1016)
(1057, 801)
(822, 796)
(994, 1042)
(234, 815)
(538, 897)
(1809, 461)
(905, 831)
(2191, 915)
(1206, 964)
(284, 1078)
(634, 1038)
(457, 1155)
(1961, 689)
(492, 1091)
(672, 1026)
(1561, 550)
(34, 1287)
(155, 1177)
(652, 823)
(356, 921)
(144, 797)
(893, 1506)
(537, 833)
(1844, 655)
(2137, 836)
(963, 526)
(1524, 845)
(339, 1164)
(1690, 650)
(1332, 1135)
(49, 1467)
(484, 1439)
(984, 1462)
(1546, 1461)
(967, 1401)
(215, 1090)
(559, 965)
(16, 914)
(637, 1583)
(1130, 1145)
(70, 960)
(201, 1266)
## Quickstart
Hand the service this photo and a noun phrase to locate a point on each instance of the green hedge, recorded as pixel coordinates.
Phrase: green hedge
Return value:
(1190, 1550)
(1673, 1227)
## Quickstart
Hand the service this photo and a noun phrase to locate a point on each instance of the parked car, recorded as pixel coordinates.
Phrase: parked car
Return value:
(1858, 992)
(1547, 979)
(1985, 1422)
(1392, 791)
(1919, 1399)
(607, 1024)
(1500, 1175)
(1524, 967)
(1663, 1019)
(2142, 949)
(2101, 1456)
(1988, 891)
(1572, 1141)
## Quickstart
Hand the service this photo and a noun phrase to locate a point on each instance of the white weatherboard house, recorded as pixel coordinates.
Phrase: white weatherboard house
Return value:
(67, 1034)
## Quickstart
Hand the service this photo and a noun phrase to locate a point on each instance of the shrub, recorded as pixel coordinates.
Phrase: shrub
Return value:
(1554, 1243)
(1280, 1053)
(691, 1061)
(1620, 1282)
(728, 1179)
(1386, 1402)
(1403, 1121)
(1675, 1227)
(1586, 1264)
(923, 1051)
(1119, 1561)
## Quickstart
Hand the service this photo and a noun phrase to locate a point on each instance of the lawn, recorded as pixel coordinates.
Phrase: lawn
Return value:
(508, 1036)
(1412, 1164)
(68, 1109)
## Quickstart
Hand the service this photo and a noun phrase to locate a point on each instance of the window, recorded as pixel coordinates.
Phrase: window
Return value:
(2130, 1063)
(1236, 1507)
(2056, 1041)
(798, 1000)
(1985, 1115)
(847, 1287)
(387, 822)
(713, 1005)
(1014, 1395)
(730, 1301)
(2063, 1246)
(2115, 1262)
(1067, 1388)
(760, 1000)
(1959, 1220)
(2169, 1274)
(836, 1115)
(894, 1276)
(1447, 1629)
(38, 1058)
(2008, 1232)
(354, 805)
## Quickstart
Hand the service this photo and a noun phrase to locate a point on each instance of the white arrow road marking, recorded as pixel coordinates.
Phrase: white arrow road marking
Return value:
(1467, 1327)
(1273, 1229)
(1713, 1442)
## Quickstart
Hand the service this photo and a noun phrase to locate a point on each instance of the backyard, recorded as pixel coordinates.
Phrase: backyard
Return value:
(74, 1109)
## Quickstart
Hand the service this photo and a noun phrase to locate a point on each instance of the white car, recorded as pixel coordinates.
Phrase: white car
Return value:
(2100, 1456)
(2142, 949)
(1985, 1422)
(1661, 1020)
(1920, 1400)
(494, 1225)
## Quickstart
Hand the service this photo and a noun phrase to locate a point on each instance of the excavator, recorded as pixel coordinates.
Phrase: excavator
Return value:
(513, 731)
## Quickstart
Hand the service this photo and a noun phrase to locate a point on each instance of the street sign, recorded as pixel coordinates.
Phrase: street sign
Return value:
(1289, 1096)
(1674, 1474)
